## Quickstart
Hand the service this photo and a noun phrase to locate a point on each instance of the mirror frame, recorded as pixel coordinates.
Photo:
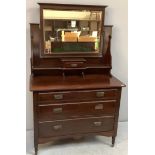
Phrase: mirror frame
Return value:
(71, 7)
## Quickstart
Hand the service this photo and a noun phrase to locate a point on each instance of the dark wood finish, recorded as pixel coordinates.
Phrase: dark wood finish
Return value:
(73, 63)
(82, 95)
(62, 110)
(53, 66)
(35, 118)
(73, 95)
(70, 7)
(103, 133)
(55, 83)
(73, 126)
(113, 141)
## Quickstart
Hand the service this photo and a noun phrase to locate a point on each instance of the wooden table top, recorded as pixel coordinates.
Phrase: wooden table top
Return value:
(55, 83)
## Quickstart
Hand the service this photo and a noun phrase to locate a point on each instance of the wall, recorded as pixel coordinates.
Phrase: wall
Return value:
(116, 14)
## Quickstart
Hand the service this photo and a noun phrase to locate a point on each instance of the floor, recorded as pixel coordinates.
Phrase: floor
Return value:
(98, 145)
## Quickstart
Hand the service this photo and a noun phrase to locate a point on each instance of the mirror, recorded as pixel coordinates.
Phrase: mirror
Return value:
(71, 31)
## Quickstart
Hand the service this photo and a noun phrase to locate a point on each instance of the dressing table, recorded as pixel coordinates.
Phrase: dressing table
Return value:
(74, 92)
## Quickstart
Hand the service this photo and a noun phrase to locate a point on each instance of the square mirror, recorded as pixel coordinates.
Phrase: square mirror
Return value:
(71, 31)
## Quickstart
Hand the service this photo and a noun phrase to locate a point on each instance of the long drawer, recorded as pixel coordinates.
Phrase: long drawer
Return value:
(74, 110)
(56, 97)
(73, 126)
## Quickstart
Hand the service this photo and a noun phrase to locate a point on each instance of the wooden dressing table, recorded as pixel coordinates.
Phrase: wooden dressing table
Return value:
(74, 93)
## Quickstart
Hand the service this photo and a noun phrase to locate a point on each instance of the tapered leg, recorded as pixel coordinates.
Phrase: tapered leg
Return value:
(36, 149)
(113, 141)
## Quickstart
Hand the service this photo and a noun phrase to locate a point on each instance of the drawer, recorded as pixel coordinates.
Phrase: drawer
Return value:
(73, 126)
(77, 95)
(73, 63)
(74, 110)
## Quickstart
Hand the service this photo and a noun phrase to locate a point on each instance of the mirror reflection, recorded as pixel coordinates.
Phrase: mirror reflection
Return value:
(71, 31)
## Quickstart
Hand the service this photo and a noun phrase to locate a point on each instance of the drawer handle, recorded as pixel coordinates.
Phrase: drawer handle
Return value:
(97, 123)
(74, 65)
(99, 107)
(58, 96)
(57, 110)
(57, 127)
(100, 94)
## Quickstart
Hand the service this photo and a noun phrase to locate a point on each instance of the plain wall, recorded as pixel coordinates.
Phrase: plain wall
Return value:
(116, 14)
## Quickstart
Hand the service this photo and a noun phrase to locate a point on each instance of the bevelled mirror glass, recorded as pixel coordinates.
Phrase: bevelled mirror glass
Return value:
(71, 31)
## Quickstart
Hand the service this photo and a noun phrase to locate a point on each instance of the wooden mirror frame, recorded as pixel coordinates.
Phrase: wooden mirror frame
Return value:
(71, 7)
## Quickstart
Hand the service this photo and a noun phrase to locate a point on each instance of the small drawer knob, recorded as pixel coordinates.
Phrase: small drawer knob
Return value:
(57, 127)
(57, 110)
(100, 94)
(58, 96)
(74, 65)
(99, 107)
(97, 123)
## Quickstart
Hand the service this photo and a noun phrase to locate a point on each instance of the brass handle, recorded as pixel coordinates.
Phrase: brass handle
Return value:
(57, 110)
(99, 107)
(57, 127)
(74, 65)
(58, 96)
(97, 123)
(100, 94)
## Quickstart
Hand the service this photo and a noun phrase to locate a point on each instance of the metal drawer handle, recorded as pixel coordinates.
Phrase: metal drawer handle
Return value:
(100, 94)
(58, 96)
(74, 65)
(99, 107)
(57, 110)
(97, 123)
(57, 127)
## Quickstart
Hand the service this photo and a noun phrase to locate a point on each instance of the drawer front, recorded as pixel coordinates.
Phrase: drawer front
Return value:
(74, 110)
(73, 126)
(73, 64)
(77, 95)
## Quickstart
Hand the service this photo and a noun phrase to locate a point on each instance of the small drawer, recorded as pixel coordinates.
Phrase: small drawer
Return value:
(73, 63)
(75, 110)
(73, 126)
(77, 95)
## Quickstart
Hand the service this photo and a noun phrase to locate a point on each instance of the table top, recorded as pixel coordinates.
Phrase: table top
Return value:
(56, 83)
